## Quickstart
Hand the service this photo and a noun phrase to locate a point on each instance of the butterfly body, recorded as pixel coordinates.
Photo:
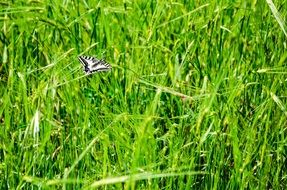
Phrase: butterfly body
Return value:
(92, 64)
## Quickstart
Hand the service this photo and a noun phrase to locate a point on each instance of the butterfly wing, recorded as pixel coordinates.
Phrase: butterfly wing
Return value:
(100, 65)
(86, 62)
(92, 64)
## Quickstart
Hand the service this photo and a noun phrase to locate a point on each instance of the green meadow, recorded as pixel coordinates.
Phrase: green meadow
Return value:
(196, 97)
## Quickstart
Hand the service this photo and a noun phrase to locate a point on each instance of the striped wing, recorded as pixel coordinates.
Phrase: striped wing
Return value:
(92, 64)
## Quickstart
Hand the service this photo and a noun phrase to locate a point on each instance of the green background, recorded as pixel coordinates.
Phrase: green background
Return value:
(196, 98)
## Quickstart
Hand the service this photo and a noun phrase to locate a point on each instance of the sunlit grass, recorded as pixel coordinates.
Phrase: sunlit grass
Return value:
(196, 97)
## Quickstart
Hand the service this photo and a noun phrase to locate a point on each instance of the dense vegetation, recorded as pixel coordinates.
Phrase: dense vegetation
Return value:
(196, 98)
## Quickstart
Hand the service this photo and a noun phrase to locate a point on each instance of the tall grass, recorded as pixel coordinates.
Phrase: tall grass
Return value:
(196, 98)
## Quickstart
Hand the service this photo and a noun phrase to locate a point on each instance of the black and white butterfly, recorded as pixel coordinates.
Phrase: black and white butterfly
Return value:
(92, 64)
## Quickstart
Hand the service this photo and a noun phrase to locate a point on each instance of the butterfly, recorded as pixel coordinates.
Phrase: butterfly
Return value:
(92, 64)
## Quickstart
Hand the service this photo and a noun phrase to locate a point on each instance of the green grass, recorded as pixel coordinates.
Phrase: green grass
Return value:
(196, 98)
